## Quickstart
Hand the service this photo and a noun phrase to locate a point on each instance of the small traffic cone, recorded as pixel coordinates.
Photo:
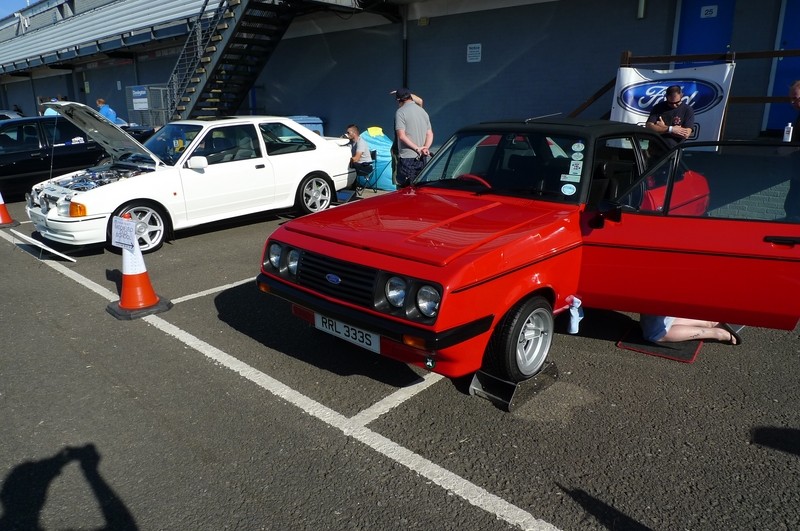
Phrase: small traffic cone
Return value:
(5, 217)
(137, 297)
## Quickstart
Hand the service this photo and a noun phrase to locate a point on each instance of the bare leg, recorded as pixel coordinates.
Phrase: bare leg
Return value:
(692, 329)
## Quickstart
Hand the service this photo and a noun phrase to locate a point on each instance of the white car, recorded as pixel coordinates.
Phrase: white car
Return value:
(188, 173)
(6, 114)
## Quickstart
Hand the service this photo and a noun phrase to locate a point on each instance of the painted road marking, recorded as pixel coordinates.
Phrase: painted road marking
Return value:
(352, 427)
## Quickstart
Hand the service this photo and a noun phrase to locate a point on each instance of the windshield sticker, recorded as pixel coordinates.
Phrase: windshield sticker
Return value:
(575, 167)
(577, 156)
(568, 189)
(569, 178)
(578, 146)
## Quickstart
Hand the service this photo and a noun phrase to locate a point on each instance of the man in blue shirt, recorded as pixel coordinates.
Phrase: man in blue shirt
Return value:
(106, 111)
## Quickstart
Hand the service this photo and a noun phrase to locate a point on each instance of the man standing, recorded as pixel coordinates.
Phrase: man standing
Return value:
(106, 110)
(672, 118)
(414, 137)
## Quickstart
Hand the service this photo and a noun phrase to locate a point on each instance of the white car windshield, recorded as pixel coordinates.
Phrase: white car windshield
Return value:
(169, 142)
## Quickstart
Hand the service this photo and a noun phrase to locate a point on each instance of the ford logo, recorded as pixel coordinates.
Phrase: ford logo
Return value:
(640, 98)
(333, 279)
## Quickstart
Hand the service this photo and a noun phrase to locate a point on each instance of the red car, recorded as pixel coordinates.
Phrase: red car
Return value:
(466, 268)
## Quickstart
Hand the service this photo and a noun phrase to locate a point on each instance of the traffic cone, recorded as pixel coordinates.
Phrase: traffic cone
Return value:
(5, 217)
(137, 297)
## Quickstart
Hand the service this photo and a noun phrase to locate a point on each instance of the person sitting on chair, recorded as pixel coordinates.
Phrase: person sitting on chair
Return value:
(361, 160)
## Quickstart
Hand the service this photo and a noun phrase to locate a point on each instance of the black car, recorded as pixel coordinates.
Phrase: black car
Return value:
(35, 148)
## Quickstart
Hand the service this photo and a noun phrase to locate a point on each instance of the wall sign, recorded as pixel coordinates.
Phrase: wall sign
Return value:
(474, 53)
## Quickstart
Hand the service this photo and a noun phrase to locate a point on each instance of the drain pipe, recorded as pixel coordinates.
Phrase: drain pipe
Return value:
(404, 15)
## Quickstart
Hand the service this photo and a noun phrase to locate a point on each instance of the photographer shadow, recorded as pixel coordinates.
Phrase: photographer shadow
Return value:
(24, 491)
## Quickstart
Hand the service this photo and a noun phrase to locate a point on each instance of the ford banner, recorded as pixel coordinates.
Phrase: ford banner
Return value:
(705, 89)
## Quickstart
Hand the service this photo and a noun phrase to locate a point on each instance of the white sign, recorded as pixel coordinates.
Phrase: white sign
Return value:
(139, 96)
(708, 11)
(474, 53)
(123, 233)
(705, 90)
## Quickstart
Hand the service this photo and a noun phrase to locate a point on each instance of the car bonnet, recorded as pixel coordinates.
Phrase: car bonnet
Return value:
(436, 228)
(114, 140)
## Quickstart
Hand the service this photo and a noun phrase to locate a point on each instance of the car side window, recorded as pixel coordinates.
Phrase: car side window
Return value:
(15, 138)
(740, 182)
(614, 168)
(226, 144)
(64, 133)
(281, 139)
(726, 181)
(652, 150)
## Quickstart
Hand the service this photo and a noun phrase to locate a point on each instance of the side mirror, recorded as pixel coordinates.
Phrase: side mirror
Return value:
(197, 163)
(606, 210)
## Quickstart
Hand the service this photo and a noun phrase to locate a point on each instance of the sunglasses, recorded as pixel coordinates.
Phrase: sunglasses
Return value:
(674, 103)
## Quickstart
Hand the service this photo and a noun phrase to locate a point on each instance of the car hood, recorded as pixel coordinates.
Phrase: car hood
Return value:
(114, 140)
(437, 227)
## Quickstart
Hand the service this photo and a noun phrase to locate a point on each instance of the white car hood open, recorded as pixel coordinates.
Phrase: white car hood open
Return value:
(114, 140)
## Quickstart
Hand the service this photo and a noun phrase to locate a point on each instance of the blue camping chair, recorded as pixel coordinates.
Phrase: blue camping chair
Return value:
(370, 178)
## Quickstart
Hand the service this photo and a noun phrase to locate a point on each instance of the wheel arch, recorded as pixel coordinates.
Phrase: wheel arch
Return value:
(314, 174)
(149, 201)
(490, 360)
(168, 230)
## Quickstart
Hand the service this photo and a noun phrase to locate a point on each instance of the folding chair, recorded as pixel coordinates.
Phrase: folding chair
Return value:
(370, 177)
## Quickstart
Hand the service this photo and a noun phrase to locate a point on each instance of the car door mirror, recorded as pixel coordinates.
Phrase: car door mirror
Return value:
(606, 210)
(197, 163)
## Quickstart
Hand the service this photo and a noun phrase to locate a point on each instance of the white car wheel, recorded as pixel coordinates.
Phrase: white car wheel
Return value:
(150, 224)
(314, 194)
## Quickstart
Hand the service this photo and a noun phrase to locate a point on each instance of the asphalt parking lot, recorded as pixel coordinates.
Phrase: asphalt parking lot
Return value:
(225, 412)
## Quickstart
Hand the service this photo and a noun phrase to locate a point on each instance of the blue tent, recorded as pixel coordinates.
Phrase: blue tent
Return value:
(382, 145)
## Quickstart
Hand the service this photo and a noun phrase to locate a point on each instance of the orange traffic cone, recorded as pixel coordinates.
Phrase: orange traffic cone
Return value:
(5, 217)
(137, 297)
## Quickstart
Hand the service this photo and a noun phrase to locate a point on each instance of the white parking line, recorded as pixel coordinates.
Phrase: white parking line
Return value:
(213, 290)
(354, 427)
(395, 399)
(449, 481)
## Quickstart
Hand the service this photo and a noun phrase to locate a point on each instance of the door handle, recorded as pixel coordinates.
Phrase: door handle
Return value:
(783, 240)
(259, 166)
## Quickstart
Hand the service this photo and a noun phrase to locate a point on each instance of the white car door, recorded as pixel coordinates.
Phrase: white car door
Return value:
(292, 157)
(237, 180)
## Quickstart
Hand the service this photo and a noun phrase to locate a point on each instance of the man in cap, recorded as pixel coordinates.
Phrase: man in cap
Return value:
(414, 136)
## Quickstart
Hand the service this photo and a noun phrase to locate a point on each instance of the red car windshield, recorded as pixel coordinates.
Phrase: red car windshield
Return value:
(527, 164)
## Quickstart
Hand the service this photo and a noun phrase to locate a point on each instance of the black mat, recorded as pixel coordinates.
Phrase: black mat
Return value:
(684, 351)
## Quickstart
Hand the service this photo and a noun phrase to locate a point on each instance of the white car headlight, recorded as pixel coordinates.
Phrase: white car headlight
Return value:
(396, 289)
(428, 299)
(292, 260)
(274, 252)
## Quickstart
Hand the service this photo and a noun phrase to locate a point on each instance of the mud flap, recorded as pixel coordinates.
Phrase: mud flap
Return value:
(508, 395)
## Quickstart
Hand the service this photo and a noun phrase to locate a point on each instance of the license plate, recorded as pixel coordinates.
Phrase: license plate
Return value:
(354, 335)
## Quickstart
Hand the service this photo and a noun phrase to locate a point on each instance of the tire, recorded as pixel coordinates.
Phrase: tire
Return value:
(151, 226)
(314, 194)
(521, 343)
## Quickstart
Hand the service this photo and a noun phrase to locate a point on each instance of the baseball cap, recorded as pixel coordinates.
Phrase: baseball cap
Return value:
(401, 94)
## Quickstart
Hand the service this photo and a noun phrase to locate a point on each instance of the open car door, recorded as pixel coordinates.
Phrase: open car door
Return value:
(703, 234)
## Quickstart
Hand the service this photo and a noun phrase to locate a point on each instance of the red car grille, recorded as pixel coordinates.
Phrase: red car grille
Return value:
(342, 280)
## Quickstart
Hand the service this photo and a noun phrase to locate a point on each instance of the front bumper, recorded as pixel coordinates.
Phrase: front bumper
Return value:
(72, 231)
(459, 348)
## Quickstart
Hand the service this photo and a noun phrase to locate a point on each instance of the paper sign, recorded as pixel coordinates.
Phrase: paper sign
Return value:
(123, 233)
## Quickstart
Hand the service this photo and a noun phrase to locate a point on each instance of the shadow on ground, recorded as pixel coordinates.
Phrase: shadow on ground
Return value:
(269, 321)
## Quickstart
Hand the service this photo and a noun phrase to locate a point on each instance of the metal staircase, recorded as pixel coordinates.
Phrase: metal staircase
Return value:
(224, 54)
